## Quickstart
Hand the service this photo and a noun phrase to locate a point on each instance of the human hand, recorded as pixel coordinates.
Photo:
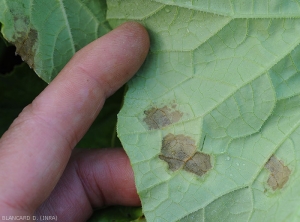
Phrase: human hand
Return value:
(35, 152)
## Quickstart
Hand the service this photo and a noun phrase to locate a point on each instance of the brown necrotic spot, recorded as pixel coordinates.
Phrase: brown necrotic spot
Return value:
(199, 164)
(174, 164)
(179, 151)
(279, 173)
(159, 117)
(26, 46)
(178, 147)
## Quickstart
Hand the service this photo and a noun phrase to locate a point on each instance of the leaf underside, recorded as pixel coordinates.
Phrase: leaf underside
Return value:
(211, 122)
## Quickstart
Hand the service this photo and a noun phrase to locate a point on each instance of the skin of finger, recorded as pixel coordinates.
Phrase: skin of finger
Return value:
(92, 179)
(37, 146)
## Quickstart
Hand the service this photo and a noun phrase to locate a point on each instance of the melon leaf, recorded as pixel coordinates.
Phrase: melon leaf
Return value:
(211, 121)
(48, 33)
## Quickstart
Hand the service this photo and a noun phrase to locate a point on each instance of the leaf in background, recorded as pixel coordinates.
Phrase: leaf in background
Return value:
(17, 90)
(47, 33)
(118, 214)
(8, 58)
(2, 49)
(211, 121)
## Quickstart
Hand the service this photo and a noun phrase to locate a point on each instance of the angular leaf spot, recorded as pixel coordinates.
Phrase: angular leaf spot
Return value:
(199, 164)
(159, 117)
(179, 147)
(25, 45)
(279, 173)
(179, 151)
(174, 164)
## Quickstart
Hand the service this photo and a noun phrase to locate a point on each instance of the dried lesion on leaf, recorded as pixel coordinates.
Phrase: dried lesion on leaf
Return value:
(199, 164)
(179, 151)
(157, 118)
(279, 173)
(26, 45)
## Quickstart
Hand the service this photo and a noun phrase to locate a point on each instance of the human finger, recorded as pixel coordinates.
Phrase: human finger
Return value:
(92, 179)
(37, 146)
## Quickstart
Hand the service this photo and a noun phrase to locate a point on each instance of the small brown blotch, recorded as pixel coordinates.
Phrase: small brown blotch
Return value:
(179, 147)
(160, 117)
(174, 164)
(199, 164)
(179, 151)
(26, 46)
(279, 173)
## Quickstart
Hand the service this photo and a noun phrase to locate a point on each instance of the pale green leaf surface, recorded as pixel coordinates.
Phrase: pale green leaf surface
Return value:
(47, 33)
(226, 76)
(242, 8)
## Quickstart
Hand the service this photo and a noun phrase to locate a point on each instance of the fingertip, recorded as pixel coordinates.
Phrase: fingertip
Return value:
(129, 43)
(140, 33)
(115, 57)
